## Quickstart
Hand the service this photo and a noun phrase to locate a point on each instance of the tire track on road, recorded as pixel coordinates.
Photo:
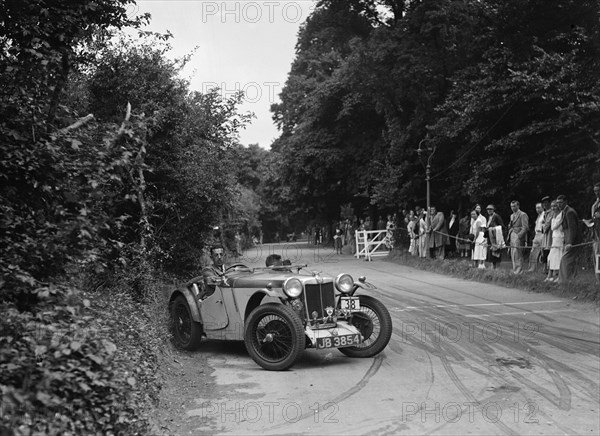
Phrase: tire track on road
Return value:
(373, 369)
(443, 351)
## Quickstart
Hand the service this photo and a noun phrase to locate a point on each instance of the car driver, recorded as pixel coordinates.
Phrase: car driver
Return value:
(212, 275)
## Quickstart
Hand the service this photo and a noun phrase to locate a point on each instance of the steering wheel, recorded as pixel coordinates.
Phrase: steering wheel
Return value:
(237, 267)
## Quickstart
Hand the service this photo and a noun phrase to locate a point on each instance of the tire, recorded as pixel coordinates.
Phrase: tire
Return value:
(274, 336)
(187, 333)
(375, 324)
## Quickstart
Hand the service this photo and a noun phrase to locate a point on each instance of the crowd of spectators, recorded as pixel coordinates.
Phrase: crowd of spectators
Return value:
(551, 241)
(554, 238)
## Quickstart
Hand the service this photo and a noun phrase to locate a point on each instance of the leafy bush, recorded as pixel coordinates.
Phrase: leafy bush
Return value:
(77, 365)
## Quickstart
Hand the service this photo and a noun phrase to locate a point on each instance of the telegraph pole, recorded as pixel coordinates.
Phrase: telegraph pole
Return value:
(431, 151)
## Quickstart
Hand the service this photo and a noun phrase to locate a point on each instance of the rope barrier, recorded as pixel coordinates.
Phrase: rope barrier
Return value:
(468, 241)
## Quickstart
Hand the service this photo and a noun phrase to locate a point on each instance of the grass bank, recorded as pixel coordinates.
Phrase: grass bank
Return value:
(582, 287)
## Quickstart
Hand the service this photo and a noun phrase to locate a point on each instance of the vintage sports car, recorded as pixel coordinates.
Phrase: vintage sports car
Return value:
(278, 311)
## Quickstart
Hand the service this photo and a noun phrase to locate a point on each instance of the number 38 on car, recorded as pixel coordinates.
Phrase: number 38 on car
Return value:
(280, 311)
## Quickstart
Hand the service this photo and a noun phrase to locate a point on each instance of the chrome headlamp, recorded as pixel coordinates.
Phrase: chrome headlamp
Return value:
(344, 283)
(292, 287)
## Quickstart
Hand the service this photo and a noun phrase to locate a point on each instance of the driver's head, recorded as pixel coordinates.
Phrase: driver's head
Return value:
(217, 254)
(273, 260)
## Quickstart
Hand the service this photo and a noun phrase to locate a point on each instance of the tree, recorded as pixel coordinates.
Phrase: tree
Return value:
(524, 121)
(503, 90)
(50, 176)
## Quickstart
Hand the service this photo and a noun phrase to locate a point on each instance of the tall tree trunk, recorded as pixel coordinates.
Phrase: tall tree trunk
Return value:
(61, 81)
(141, 192)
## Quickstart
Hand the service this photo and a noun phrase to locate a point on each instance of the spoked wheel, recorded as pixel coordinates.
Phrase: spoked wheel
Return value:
(375, 325)
(187, 333)
(274, 336)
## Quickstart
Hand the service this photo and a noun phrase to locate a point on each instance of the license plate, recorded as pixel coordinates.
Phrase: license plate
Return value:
(350, 303)
(338, 341)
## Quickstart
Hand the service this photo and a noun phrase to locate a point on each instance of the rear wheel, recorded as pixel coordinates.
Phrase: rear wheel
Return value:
(274, 336)
(375, 325)
(187, 333)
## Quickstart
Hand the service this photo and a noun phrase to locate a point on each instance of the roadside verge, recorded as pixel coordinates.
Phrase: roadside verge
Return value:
(581, 288)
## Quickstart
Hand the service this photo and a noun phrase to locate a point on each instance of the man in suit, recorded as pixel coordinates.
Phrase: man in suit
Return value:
(452, 232)
(570, 226)
(438, 232)
(546, 231)
(517, 231)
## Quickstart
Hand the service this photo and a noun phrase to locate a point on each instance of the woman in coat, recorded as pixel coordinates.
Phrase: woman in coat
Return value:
(480, 243)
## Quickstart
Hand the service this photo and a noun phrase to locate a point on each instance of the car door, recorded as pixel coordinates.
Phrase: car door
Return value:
(213, 311)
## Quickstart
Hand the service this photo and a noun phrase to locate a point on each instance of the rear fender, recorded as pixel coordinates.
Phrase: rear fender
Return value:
(189, 296)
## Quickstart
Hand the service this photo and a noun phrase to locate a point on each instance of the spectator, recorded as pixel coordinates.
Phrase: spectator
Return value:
(351, 236)
(464, 228)
(495, 228)
(517, 233)
(547, 231)
(368, 224)
(412, 247)
(361, 225)
(423, 245)
(595, 223)
(479, 252)
(536, 245)
(438, 233)
(389, 234)
(337, 240)
(558, 237)
(570, 226)
(452, 232)
(380, 223)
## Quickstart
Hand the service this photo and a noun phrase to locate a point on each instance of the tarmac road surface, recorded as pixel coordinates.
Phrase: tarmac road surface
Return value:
(464, 358)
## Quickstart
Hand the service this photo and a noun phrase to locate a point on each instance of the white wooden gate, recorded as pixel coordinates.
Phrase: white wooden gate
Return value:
(370, 243)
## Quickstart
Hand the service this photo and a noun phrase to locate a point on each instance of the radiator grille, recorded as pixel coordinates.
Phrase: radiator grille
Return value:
(318, 297)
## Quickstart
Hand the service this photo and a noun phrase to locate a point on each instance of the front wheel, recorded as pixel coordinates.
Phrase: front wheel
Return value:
(375, 324)
(274, 336)
(187, 333)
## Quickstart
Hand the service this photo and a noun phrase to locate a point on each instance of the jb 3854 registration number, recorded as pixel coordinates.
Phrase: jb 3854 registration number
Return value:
(338, 341)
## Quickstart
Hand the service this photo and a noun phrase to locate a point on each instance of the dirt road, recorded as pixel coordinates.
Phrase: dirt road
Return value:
(465, 358)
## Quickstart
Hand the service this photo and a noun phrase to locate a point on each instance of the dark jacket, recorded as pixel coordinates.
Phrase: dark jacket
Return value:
(570, 225)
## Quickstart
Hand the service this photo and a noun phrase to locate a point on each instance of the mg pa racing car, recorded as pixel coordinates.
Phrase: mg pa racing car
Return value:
(279, 311)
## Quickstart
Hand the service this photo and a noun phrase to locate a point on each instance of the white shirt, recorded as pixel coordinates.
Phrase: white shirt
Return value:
(539, 223)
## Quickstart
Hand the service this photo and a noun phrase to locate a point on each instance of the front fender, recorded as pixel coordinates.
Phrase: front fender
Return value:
(256, 299)
(362, 285)
(272, 293)
(191, 301)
